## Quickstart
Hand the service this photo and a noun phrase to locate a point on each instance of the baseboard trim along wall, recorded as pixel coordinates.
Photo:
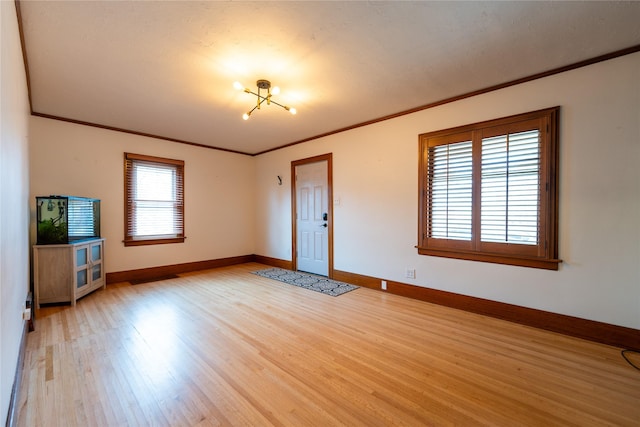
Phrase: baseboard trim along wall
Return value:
(605, 333)
(168, 270)
(17, 381)
(274, 262)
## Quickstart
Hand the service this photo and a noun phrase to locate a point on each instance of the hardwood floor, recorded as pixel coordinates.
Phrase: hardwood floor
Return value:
(227, 347)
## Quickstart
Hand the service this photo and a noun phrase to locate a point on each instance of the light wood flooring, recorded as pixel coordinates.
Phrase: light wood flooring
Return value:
(226, 347)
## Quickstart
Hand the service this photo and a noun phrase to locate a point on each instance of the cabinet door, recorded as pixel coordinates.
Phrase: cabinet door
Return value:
(81, 264)
(96, 256)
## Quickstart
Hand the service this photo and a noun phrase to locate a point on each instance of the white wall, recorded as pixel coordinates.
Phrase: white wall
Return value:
(376, 179)
(85, 161)
(14, 191)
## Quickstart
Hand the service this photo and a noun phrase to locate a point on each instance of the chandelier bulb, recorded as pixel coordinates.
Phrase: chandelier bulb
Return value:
(238, 86)
(275, 90)
(245, 116)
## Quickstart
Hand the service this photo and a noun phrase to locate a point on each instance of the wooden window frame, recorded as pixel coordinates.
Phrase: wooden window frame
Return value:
(129, 238)
(544, 254)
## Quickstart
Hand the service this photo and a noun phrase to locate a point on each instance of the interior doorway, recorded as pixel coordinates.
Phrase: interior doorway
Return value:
(312, 215)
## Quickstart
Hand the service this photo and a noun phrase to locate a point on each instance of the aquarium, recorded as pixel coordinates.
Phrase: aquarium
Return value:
(66, 219)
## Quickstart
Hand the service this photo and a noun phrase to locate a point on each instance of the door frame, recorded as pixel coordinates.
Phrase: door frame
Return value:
(294, 206)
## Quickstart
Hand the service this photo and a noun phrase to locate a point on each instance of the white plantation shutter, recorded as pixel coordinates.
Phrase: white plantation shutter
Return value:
(510, 194)
(450, 186)
(154, 199)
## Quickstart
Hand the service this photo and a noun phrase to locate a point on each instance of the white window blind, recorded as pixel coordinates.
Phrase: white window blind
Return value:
(450, 184)
(155, 198)
(510, 196)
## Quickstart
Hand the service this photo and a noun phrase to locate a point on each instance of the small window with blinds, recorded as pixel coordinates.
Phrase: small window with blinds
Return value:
(154, 200)
(488, 191)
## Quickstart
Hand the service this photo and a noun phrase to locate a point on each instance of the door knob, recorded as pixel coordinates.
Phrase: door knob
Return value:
(324, 225)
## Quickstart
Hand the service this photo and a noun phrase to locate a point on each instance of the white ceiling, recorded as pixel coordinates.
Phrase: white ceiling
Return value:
(167, 68)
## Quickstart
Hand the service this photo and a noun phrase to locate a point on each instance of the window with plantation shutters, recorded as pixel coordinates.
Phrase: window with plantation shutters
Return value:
(488, 191)
(154, 200)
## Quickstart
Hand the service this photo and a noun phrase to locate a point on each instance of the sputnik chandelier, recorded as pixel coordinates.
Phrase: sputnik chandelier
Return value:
(263, 85)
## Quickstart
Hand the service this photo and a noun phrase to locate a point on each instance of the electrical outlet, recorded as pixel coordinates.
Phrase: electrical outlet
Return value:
(410, 273)
(383, 285)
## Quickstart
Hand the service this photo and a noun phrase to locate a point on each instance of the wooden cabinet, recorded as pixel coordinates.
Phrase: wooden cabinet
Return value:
(64, 273)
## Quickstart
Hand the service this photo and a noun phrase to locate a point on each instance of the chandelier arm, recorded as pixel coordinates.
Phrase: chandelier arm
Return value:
(264, 98)
(279, 105)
